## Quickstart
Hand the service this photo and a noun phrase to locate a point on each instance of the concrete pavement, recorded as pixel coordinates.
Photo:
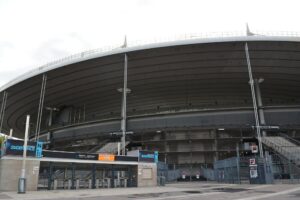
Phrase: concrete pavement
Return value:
(180, 191)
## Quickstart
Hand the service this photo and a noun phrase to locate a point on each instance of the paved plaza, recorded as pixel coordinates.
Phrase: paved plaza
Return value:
(180, 191)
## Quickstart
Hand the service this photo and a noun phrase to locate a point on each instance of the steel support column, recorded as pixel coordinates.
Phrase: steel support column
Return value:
(41, 106)
(124, 107)
(251, 82)
(260, 104)
(93, 176)
(216, 156)
(2, 111)
(113, 176)
(50, 175)
(73, 176)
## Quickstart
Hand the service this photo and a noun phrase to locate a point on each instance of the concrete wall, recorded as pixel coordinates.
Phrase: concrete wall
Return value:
(147, 174)
(10, 171)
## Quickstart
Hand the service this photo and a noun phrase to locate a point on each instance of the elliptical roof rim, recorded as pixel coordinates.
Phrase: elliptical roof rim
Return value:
(55, 65)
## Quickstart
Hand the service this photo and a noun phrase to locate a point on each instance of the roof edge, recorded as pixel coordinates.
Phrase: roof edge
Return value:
(83, 56)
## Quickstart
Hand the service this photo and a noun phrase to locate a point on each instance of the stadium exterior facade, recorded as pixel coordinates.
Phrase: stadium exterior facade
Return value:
(190, 100)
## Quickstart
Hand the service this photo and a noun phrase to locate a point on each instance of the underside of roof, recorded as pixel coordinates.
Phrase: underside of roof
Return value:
(163, 80)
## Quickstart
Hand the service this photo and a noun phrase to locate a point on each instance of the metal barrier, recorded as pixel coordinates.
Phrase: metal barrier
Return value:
(284, 170)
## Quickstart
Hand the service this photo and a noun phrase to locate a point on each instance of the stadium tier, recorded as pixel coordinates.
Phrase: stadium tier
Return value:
(190, 100)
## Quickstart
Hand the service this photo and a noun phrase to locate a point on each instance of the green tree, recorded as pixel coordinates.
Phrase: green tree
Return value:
(2, 138)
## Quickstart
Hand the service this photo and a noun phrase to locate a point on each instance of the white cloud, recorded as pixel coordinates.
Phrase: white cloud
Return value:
(33, 32)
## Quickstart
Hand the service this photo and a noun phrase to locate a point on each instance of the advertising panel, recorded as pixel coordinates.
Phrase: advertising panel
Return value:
(126, 158)
(147, 156)
(15, 147)
(106, 157)
(70, 155)
(87, 156)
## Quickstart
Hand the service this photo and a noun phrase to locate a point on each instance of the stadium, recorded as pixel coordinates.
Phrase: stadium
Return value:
(190, 100)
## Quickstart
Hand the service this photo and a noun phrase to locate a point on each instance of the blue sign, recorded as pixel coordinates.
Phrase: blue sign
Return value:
(156, 156)
(39, 150)
(15, 147)
(147, 156)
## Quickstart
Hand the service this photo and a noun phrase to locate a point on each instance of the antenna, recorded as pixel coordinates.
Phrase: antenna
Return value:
(125, 42)
(248, 32)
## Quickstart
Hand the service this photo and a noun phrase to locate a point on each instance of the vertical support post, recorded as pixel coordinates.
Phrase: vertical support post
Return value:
(50, 175)
(73, 176)
(124, 107)
(10, 132)
(191, 159)
(238, 162)
(2, 111)
(22, 179)
(93, 176)
(41, 106)
(119, 148)
(216, 146)
(83, 112)
(251, 81)
(129, 176)
(165, 146)
(50, 118)
(260, 104)
(112, 176)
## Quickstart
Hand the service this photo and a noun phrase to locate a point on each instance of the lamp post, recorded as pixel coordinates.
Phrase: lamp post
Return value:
(22, 179)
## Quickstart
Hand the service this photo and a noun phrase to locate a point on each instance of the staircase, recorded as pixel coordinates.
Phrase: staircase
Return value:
(97, 147)
(111, 147)
(287, 147)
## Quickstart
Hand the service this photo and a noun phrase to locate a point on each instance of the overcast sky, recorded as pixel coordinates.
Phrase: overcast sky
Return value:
(34, 32)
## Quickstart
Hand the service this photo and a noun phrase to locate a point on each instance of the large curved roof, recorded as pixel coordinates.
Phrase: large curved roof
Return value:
(188, 75)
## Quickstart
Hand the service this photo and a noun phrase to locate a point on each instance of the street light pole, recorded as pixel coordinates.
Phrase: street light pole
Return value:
(22, 179)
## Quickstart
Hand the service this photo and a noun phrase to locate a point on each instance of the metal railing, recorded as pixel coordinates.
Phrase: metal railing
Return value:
(285, 147)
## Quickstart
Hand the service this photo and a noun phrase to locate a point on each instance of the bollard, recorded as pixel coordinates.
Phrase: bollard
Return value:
(55, 184)
(108, 182)
(77, 184)
(97, 183)
(90, 183)
(116, 183)
(69, 184)
(22, 186)
(65, 183)
(125, 182)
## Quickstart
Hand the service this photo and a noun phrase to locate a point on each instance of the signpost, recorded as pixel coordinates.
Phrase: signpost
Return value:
(253, 168)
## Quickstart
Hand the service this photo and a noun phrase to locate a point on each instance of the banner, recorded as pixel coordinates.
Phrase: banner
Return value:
(15, 147)
(70, 155)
